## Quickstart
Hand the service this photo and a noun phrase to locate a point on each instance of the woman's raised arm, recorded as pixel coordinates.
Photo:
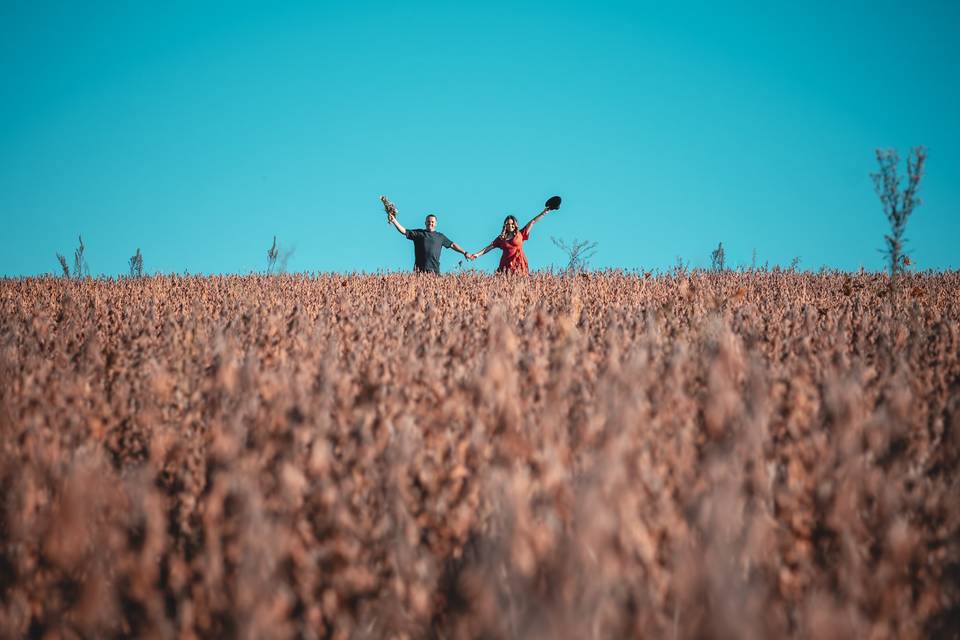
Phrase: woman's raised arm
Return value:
(529, 225)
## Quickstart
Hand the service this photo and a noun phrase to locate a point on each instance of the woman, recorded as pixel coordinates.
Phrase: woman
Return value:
(510, 241)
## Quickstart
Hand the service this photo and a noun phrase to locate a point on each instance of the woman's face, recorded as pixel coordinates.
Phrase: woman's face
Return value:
(510, 226)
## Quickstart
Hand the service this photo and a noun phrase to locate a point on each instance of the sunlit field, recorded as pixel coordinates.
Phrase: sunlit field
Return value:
(705, 455)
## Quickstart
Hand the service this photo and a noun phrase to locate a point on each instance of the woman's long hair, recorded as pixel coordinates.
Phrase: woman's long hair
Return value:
(516, 225)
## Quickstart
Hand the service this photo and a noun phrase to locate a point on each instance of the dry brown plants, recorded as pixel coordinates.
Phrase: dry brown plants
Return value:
(706, 455)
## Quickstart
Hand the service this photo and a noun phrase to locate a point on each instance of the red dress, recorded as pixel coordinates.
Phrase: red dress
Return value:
(512, 260)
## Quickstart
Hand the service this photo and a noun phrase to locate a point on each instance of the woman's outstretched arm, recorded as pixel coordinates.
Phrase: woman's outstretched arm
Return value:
(474, 256)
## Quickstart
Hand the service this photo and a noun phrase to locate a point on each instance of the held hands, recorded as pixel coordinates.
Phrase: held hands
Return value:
(470, 256)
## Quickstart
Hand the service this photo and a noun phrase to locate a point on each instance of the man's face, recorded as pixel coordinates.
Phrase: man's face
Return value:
(431, 223)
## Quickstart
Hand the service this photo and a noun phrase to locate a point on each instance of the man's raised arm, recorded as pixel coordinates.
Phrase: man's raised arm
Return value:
(396, 223)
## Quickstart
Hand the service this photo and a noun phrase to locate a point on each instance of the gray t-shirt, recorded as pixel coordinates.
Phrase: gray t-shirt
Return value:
(426, 249)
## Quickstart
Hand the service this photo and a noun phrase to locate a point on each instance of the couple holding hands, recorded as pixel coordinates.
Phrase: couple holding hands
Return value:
(428, 242)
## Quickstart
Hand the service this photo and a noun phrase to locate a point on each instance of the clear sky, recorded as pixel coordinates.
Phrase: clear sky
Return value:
(199, 130)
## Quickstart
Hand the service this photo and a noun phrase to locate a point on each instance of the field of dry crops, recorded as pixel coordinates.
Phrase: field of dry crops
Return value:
(736, 455)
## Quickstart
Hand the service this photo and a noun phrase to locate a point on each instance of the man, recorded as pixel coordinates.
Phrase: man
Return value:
(427, 244)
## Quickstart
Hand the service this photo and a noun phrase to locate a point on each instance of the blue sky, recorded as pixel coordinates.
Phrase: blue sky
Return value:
(198, 131)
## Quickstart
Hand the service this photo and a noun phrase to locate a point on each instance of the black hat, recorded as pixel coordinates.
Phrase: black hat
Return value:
(553, 203)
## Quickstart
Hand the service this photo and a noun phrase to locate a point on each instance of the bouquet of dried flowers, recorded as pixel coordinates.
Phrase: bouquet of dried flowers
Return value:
(389, 207)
